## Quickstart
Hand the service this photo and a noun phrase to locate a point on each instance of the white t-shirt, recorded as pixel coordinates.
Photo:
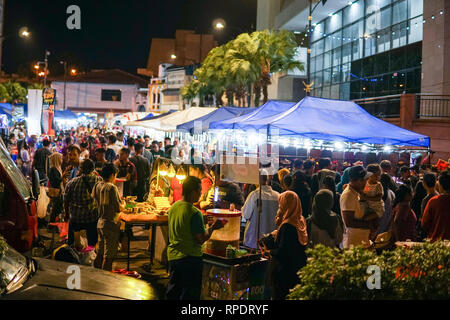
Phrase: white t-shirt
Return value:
(349, 201)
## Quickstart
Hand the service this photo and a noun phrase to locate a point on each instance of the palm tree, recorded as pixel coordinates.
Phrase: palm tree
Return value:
(242, 67)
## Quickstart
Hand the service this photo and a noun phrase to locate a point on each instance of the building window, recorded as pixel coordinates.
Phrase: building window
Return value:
(400, 12)
(354, 12)
(111, 95)
(415, 8)
(399, 35)
(334, 23)
(373, 5)
(415, 32)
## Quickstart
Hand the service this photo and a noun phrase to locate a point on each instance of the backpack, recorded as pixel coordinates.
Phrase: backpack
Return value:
(65, 253)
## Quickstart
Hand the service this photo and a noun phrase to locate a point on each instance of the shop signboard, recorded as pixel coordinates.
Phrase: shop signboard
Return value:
(240, 169)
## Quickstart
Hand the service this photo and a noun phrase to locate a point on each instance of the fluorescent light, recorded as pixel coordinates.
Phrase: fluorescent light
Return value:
(339, 145)
(387, 149)
(331, 14)
(350, 3)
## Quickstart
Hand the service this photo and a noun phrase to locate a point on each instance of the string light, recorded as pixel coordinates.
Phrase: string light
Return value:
(432, 17)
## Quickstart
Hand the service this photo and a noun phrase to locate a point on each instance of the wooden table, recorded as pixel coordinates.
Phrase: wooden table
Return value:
(134, 220)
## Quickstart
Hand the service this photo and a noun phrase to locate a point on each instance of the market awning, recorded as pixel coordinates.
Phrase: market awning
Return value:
(139, 122)
(270, 108)
(65, 114)
(335, 120)
(153, 116)
(221, 114)
(169, 123)
(131, 116)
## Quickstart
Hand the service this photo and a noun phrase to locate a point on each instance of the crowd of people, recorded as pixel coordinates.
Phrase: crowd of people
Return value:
(300, 206)
(80, 171)
(307, 204)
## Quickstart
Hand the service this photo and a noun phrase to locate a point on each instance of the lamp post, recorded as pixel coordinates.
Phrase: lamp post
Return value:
(65, 82)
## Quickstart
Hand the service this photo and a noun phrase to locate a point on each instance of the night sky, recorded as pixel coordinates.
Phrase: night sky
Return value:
(114, 34)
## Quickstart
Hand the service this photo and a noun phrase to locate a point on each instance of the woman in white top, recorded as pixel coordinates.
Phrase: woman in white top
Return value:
(26, 160)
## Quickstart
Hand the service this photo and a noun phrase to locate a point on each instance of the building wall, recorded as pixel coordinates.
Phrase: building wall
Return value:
(267, 10)
(86, 97)
(155, 96)
(436, 48)
(160, 52)
(188, 47)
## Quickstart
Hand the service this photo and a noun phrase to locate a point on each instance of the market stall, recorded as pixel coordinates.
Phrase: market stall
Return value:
(65, 119)
(316, 127)
(221, 114)
(170, 122)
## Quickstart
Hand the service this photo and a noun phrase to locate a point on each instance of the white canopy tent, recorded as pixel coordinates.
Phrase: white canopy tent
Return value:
(170, 122)
(130, 116)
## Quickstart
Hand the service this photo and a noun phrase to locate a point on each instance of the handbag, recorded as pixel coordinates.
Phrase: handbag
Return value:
(53, 192)
(268, 240)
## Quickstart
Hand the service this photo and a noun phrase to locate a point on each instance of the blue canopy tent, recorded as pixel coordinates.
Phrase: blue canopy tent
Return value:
(6, 106)
(335, 120)
(5, 111)
(65, 114)
(221, 114)
(270, 108)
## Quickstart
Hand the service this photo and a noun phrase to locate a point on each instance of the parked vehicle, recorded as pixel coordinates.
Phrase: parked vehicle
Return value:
(24, 278)
(18, 210)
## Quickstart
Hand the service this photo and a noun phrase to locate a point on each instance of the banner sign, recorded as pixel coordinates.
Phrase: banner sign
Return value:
(48, 98)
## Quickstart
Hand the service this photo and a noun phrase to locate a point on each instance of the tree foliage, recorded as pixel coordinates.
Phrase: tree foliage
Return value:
(15, 92)
(243, 66)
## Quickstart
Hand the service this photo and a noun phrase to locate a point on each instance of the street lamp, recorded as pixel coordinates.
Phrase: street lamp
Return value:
(219, 24)
(73, 72)
(23, 33)
(45, 63)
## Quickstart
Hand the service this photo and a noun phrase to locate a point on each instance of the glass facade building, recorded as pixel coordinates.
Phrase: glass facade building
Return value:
(369, 48)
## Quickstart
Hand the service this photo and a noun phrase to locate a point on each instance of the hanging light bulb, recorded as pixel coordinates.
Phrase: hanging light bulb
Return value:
(181, 174)
(171, 173)
(162, 169)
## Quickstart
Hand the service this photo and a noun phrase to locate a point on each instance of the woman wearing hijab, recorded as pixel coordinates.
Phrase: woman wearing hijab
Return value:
(344, 180)
(324, 226)
(291, 240)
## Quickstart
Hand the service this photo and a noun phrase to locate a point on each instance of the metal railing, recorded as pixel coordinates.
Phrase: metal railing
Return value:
(381, 107)
(432, 106)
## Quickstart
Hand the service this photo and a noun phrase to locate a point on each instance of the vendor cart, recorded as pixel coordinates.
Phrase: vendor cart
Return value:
(234, 278)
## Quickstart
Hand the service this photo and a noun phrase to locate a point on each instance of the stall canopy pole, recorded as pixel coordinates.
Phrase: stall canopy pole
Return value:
(260, 197)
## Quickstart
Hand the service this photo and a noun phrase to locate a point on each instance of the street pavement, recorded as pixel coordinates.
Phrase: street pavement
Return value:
(156, 276)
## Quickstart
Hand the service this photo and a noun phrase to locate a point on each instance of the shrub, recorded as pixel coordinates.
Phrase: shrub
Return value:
(419, 272)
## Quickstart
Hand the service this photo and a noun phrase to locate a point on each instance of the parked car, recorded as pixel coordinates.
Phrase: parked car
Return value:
(18, 203)
(24, 278)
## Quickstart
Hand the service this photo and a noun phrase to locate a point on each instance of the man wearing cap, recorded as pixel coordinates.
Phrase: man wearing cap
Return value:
(357, 231)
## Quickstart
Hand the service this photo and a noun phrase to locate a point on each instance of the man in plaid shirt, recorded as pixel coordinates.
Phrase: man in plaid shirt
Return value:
(80, 206)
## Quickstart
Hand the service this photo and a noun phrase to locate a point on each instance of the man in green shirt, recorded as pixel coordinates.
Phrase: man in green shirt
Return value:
(187, 233)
